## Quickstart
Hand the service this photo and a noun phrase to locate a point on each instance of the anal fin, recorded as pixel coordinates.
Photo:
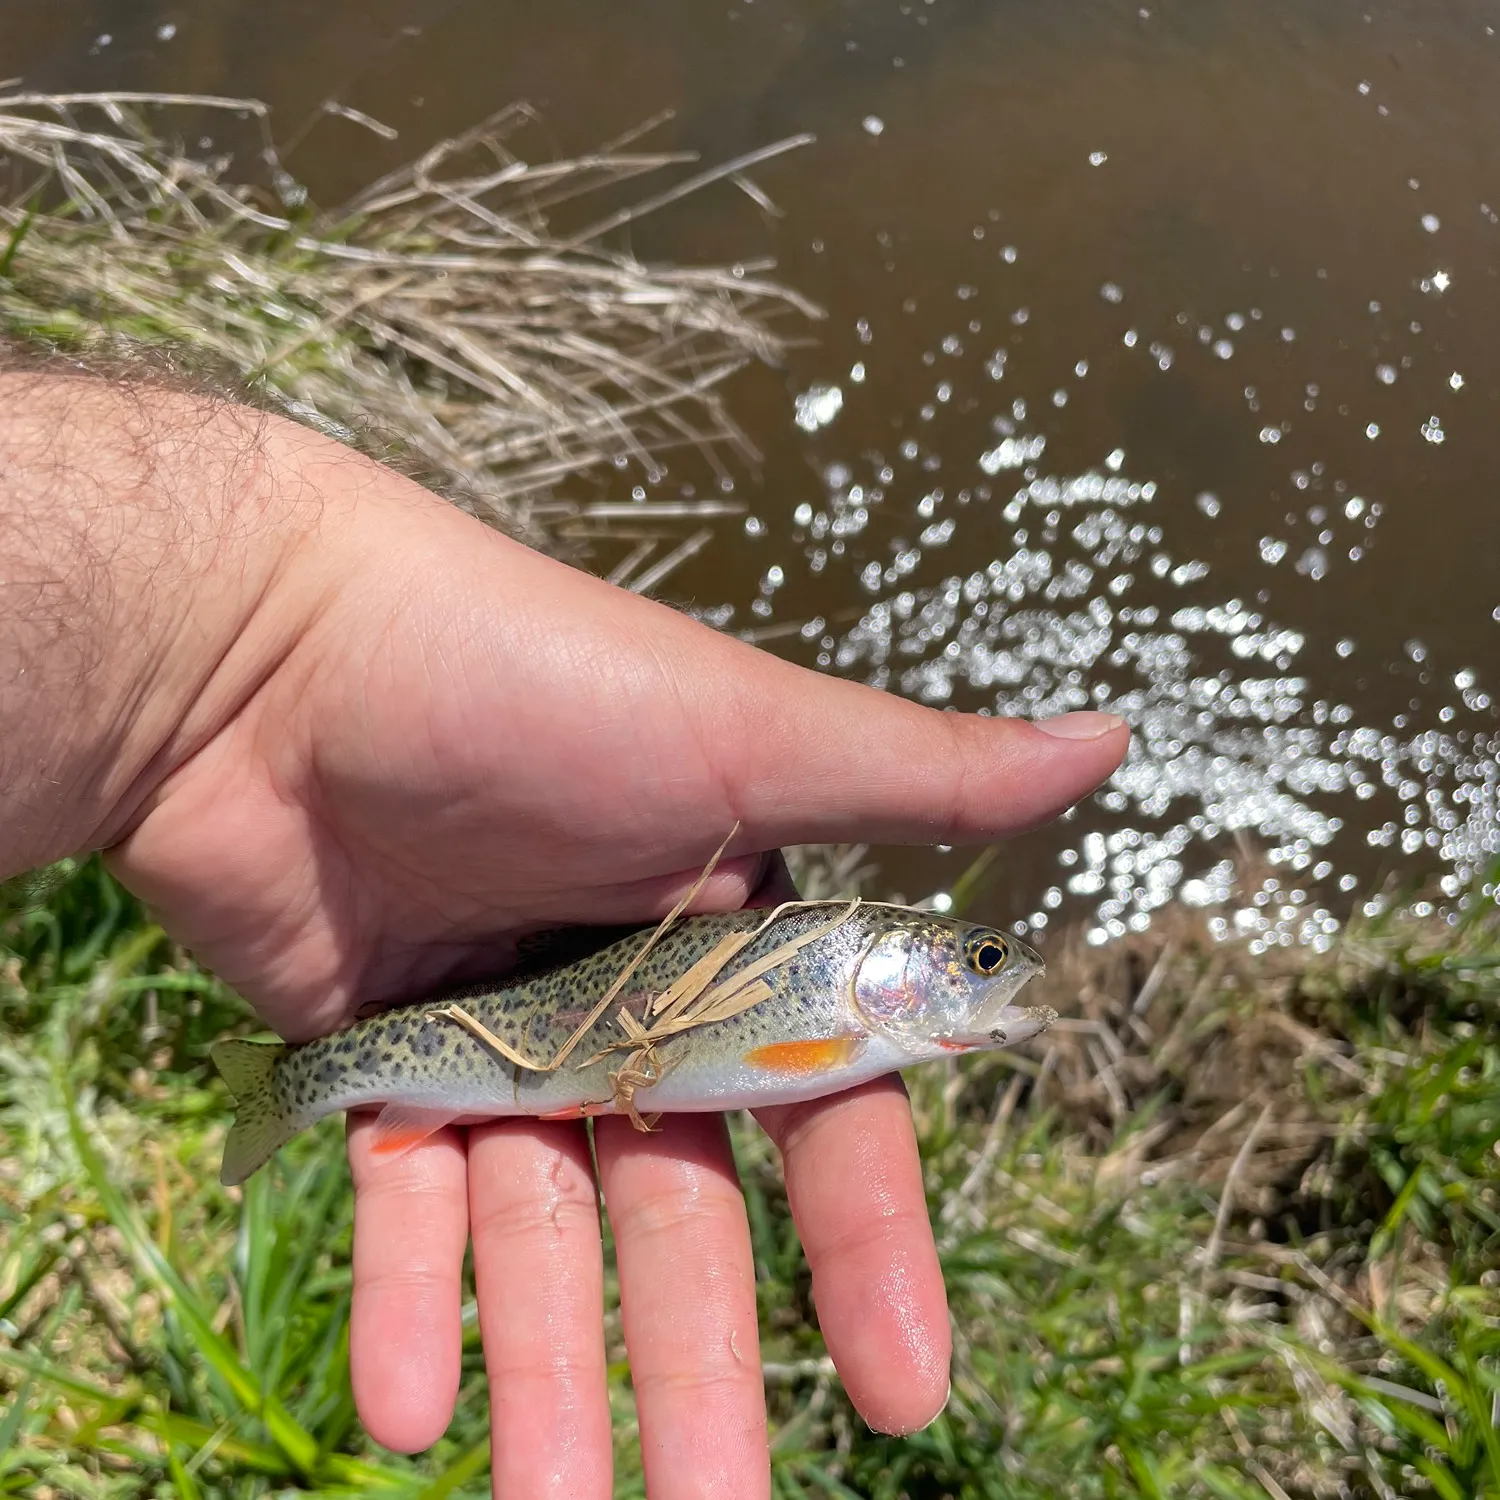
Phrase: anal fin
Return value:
(399, 1127)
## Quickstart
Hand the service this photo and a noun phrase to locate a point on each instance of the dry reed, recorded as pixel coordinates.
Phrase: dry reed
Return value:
(438, 305)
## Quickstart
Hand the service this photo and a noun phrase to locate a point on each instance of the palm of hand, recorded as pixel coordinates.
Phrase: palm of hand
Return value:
(467, 742)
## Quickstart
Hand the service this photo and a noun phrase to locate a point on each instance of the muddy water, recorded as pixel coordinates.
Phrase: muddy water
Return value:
(1160, 372)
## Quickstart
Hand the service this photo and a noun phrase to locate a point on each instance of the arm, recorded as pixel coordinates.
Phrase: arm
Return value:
(143, 547)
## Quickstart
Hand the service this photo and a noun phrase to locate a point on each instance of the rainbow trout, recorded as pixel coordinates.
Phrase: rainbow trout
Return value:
(725, 1011)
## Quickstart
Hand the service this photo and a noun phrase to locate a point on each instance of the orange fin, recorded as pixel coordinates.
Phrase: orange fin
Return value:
(577, 1112)
(820, 1055)
(399, 1127)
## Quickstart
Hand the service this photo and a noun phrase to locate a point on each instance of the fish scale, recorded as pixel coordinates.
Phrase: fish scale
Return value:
(810, 1036)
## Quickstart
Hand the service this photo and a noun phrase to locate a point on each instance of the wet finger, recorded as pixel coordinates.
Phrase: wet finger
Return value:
(687, 1293)
(411, 1224)
(539, 1274)
(855, 1184)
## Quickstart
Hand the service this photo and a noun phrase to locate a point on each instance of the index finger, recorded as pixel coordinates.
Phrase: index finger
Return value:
(855, 1183)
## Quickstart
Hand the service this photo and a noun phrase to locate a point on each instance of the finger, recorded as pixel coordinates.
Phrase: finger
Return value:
(539, 1275)
(687, 1295)
(798, 755)
(755, 880)
(776, 883)
(803, 757)
(838, 762)
(855, 1184)
(411, 1223)
(736, 881)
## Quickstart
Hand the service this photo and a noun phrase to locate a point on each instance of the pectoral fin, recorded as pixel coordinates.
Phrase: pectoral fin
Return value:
(399, 1127)
(803, 1059)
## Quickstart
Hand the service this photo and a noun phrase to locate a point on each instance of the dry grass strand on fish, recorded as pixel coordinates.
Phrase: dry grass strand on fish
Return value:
(696, 998)
(702, 1002)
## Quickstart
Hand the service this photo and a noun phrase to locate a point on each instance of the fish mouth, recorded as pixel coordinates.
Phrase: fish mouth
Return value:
(1019, 1023)
(1008, 1026)
(1005, 1023)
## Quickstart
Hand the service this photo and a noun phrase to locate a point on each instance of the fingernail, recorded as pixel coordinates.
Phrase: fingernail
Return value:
(947, 1397)
(1087, 726)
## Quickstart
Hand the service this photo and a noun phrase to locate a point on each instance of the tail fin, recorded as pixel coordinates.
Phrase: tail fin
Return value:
(261, 1126)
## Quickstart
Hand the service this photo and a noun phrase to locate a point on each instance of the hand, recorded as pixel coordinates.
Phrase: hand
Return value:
(455, 741)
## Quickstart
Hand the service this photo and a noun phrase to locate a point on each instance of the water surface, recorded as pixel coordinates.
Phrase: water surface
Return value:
(1159, 373)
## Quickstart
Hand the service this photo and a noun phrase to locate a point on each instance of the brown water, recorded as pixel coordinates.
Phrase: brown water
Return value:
(1160, 371)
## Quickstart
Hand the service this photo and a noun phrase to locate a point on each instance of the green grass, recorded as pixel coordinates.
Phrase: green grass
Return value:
(1237, 1238)
(1233, 1232)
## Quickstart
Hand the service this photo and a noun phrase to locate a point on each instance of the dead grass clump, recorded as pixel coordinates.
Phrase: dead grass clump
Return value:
(1172, 1046)
(438, 304)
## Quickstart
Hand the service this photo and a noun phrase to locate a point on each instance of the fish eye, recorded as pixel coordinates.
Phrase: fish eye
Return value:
(985, 952)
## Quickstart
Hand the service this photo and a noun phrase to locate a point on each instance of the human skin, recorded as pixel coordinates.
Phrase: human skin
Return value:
(350, 744)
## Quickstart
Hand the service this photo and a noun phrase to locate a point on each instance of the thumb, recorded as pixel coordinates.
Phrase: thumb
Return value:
(818, 759)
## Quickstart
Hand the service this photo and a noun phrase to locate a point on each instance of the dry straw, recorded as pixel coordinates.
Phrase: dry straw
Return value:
(439, 305)
(697, 997)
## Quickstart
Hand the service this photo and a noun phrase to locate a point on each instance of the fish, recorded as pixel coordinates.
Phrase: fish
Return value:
(723, 1011)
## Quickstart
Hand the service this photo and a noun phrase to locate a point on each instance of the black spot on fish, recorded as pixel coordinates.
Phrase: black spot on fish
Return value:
(427, 1042)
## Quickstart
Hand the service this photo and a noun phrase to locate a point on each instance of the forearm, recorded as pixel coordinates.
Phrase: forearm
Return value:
(145, 589)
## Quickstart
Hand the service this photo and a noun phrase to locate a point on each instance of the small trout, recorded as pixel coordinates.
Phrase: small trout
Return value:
(848, 1000)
